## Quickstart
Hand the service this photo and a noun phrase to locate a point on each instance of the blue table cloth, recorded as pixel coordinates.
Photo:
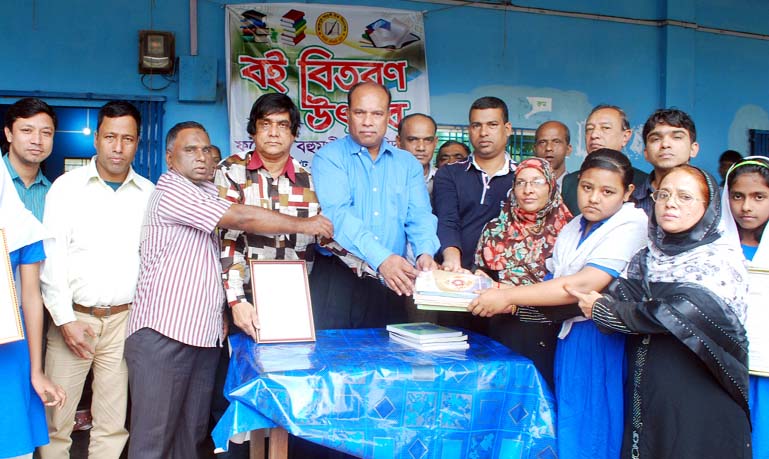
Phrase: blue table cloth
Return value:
(358, 392)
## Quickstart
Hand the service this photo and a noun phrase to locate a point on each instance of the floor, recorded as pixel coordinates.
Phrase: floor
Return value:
(80, 447)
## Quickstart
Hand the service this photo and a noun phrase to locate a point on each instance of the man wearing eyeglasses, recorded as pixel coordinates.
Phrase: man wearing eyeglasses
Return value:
(417, 135)
(670, 139)
(375, 195)
(89, 278)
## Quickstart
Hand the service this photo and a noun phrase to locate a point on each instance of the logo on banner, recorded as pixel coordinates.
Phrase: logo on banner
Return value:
(331, 28)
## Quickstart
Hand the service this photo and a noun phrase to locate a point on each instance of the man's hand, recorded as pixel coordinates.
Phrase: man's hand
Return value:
(76, 337)
(318, 225)
(425, 262)
(586, 300)
(244, 316)
(398, 274)
(452, 260)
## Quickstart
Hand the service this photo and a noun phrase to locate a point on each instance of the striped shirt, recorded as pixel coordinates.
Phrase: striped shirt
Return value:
(179, 293)
(33, 196)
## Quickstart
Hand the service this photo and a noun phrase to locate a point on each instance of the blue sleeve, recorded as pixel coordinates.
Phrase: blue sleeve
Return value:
(333, 189)
(421, 224)
(446, 198)
(32, 253)
(608, 271)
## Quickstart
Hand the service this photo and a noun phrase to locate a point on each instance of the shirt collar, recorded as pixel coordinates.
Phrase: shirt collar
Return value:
(508, 167)
(256, 163)
(356, 148)
(93, 173)
(39, 178)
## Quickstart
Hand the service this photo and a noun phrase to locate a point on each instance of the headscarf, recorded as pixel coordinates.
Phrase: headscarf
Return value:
(702, 255)
(21, 227)
(517, 243)
(761, 258)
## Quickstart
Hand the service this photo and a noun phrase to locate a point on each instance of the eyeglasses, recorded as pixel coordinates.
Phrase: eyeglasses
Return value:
(266, 125)
(536, 183)
(684, 199)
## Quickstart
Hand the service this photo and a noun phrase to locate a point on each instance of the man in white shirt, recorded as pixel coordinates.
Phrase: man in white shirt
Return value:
(89, 279)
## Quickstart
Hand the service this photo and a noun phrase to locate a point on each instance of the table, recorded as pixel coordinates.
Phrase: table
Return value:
(357, 392)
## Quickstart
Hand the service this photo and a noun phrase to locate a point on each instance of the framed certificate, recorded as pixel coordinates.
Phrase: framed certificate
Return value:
(282, 299)
(10, 317)
(757, 323)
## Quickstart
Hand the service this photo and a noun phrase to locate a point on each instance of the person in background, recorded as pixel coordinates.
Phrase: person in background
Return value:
(725, 161)
(451, 152)
(417, 135)
(215, 158)
(746, 203)
(24, 388)
(682, 304)
(552, 141)
(30, 125)
(590, 252)
(607, 126)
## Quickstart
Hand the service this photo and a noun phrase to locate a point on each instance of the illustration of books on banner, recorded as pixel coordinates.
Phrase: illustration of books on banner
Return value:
(294, 25)
(446, 291)
(388, 34)
(253, 27)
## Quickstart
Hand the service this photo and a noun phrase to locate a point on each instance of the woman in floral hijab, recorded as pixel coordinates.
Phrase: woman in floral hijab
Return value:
(513, 249)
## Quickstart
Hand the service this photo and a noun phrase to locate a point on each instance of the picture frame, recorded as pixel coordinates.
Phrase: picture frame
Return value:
(281, 295)
(11, 328)
(758, 317)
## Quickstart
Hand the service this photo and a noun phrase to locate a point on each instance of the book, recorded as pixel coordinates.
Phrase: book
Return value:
(389, 34)
(442, 307)
(448, 284)
(422, 330)
(441, 346)
(294, 15)
(450, 339)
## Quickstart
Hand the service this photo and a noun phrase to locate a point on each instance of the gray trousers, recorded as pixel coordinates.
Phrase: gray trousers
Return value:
(171, 384)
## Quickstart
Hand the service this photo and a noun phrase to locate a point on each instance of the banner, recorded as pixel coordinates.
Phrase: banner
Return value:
(315, 54)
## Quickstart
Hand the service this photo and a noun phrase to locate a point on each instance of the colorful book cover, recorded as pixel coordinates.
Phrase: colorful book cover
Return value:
(421, 330)
(445, 283)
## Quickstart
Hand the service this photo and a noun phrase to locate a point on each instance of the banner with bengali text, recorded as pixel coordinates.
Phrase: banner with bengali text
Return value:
(315, 54)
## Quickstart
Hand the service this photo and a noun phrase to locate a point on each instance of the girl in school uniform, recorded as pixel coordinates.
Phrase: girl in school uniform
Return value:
(746, 199)
(590, 252)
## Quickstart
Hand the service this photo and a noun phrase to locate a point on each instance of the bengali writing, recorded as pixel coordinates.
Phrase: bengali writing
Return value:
(319, 70)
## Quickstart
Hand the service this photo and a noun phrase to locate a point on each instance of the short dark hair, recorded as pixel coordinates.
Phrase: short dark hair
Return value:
(368, 83)
(449, 143)
(117, 109)
(269, 104)
(731, 156)
(487, 102)
(670, 117)
(178, 127)
(622, 114)
(560, 124)
(27, 108)
(408, 117)
(610, 160)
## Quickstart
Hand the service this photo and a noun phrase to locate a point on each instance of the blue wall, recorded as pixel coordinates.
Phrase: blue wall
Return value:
(91, 46)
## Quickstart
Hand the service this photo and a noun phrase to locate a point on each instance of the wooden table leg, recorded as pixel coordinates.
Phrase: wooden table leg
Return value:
(256, 448)
(278, 443)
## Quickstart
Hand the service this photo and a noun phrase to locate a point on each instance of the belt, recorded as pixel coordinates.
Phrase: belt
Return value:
(101, 312)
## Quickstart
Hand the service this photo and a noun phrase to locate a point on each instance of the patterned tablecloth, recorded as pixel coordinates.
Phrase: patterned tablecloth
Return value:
(358, 392)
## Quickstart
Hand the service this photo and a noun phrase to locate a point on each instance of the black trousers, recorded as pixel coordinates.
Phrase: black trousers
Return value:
(171, 385)
(340, 299)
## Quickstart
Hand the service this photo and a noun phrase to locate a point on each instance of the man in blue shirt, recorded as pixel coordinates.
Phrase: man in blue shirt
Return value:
(30, 124)
(375, 196)
(468, 194)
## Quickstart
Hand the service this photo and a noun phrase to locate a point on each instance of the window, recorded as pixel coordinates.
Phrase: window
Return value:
(520, 145)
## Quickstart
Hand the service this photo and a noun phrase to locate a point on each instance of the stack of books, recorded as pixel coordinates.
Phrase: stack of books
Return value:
(254, 28)
(446, 291)
(387, 34)
(294, 25)
(428, 337)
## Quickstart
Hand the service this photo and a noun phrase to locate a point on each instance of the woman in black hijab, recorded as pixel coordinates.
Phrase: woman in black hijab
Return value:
(682, 303)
